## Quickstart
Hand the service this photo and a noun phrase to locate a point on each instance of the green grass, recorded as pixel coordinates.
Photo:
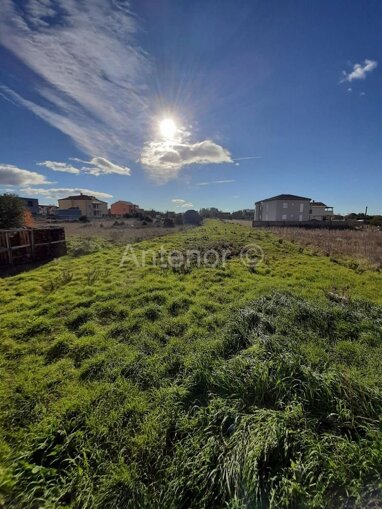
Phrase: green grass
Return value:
(206, 388)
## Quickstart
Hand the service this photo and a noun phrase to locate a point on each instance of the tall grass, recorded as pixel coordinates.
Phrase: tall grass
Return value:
(356, 244)
(148, 388)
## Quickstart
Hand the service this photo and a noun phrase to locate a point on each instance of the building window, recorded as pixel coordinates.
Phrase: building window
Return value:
(301, 207)
(285, 205)
(284, 217)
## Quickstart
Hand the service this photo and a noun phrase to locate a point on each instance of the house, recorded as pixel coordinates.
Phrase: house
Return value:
(283, 207)
(89, 205)
(319, 211)
(31, 204)
(122, 208)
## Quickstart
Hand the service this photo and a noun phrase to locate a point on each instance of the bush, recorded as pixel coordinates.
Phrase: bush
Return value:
(11, 211)
(178, 219)
(80, 246)
(192, 217)
(83, 219)
(168, 222)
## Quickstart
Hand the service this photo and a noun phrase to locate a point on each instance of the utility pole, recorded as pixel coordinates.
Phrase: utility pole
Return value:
(366, 211)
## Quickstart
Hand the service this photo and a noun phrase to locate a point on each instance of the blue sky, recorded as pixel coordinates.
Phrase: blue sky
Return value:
(267, 97)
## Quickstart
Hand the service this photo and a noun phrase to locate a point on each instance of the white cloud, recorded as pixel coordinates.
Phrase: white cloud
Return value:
(96, 166)
(90, 74)
(359, 71)
(101, 166)
(63, 192)
(228, 181)
(13, 176)
(362, 94)
(350, 90)
(182, 203)
(164, 159)
(56, 166)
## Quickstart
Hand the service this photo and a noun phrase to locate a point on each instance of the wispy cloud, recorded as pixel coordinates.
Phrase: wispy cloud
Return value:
(101, 166)
(165, 159)
(179, 203)
(96, 166)
(63, 192)
(359, 71)
(88, 72)
(61, 167)
(215, 182)
(13, 176)
(90, 79)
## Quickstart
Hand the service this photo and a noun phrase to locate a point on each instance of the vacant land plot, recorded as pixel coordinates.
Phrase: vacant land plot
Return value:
(234, 382)
(117, 230)
(356, 244)
(363, 245)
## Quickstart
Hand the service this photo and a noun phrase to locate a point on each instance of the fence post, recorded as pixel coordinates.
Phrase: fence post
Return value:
(10, 258)
(32, 244)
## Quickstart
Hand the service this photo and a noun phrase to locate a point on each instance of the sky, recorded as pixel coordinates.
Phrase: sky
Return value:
(177, 104)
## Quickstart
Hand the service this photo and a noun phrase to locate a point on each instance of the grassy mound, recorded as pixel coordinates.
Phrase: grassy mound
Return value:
(145, 387)
(281, 418)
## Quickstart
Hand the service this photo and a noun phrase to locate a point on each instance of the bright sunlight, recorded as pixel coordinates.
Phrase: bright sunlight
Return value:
(168, 128)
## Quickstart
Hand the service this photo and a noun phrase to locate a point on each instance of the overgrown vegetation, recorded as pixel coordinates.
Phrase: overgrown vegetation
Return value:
(361, 245)
(216, 387)
(12, 211)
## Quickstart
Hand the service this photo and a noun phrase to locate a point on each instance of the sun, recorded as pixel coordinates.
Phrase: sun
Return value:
(168, 128)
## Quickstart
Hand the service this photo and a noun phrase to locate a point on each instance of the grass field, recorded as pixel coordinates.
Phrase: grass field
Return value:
(237, 386)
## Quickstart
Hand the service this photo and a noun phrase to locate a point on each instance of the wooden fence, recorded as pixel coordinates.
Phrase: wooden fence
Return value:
(27, 245)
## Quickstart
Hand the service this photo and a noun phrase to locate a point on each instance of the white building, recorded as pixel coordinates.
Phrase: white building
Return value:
(283, 207)
(292, 209)
(319, 211)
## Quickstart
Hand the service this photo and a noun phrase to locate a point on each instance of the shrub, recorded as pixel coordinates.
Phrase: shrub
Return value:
(192, 217)
(168, 222)
(80, 246)
(11, 211)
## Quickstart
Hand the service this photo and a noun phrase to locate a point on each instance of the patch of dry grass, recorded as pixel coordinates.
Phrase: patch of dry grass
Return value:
(128, 230)
(356, 244)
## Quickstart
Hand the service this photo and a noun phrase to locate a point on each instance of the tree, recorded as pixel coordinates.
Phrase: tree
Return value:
(376, 221)
(11, 211)
(192, 217)
(168, 222)
(178, 219)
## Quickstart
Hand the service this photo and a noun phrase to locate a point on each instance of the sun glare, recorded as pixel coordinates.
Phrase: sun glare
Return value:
(168, 128)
